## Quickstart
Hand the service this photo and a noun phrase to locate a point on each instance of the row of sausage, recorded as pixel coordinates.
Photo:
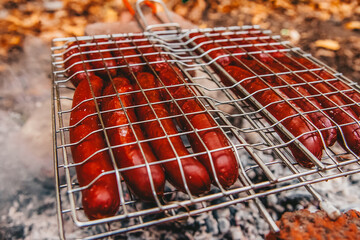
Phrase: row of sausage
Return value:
(108, 95)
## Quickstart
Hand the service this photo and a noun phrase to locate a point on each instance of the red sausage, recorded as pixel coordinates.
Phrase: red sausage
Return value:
(225, 164)
(341, 114)
(282, 111)
(349, 92)
(321, 121)
(224, 161)
(127, 64)
(152, 54)
(157, 59)
(272, 45)
(208, 46)
(196, 175)
(349, 95)
(231, 46)
(255, 41)
(99, 51)
(74, 62)
(243, 42)
(101, 198)
(126, 150)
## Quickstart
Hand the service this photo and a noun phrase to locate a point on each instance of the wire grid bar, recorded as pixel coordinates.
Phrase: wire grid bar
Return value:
(177, 52)
(334, 77)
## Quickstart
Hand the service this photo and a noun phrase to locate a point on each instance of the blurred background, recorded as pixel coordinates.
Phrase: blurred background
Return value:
(329, 30)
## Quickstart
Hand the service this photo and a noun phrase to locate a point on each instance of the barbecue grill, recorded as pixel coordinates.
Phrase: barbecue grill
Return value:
(240, 118)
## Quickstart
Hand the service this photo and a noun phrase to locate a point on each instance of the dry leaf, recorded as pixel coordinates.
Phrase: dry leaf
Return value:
(353, 25)
(203, 25)
(110, 15)
(322, 52)
(328, 44)
(15, 40)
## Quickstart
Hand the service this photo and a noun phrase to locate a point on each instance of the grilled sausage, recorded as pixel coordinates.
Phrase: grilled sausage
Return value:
(353, 97)
(104, 60)
(282, 111)
(127, 151)
(259, 39)
(151, 54)
(75, 65)
(299, 94)
(349, 95)
(195, 174)
(101, 198)
(255, 41)
(230, 46)
(209, 46)
(248, 46)
(126, 58)
(320, 120)
(344, 116)
(224, 160)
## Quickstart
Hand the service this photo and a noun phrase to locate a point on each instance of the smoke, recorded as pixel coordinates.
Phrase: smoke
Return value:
(25, 119)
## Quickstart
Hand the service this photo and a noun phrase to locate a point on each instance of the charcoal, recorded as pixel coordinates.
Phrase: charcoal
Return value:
(224, 225)
(212, 226)
(14, 232)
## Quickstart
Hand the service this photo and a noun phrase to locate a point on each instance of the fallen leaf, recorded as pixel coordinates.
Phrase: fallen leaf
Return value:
(203, 25)
(15, 40)
(353, 25)
(328, 44)
(110, 15)
(325, 53)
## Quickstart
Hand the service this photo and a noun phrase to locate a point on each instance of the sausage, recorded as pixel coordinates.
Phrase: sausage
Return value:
(196, 176)
(224, 160)
(100, 52)
(348, 91)
(349, 95)
(298, 93)
(343, 115)
(233, 48)
(225, 164)
(151, 54)
(75, 65)
(127, 64)
(309, 139)
(101, 198)
(321, 121)
(157, 59)
(257, 39)
(263, 38)
(282, 111)
(248, 46)
(208, 46)
(126, 149)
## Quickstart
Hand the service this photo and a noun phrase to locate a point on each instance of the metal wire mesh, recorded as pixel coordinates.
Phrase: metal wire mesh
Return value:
(239, 117)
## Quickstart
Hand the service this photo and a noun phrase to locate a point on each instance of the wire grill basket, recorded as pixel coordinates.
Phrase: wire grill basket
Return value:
(259, 150)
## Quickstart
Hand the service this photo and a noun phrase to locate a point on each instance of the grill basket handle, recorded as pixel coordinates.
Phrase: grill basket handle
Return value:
(149, 28)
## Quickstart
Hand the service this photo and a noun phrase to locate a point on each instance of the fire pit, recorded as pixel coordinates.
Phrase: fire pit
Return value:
(28, 197)
(270, 181)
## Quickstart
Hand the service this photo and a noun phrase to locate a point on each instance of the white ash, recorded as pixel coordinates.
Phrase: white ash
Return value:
(31, 214)
(27, 194)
